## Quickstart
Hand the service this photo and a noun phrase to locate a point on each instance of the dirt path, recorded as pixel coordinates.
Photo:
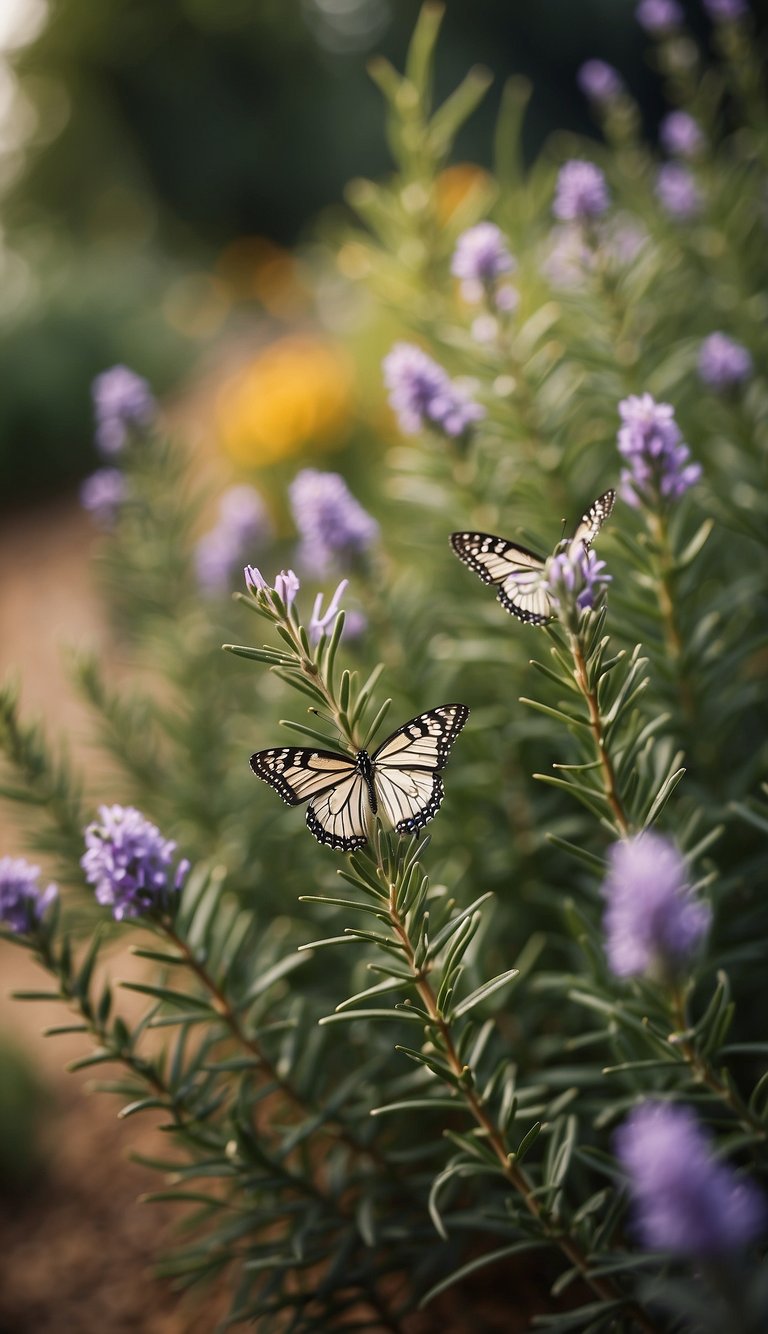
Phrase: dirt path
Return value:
(76, 1247)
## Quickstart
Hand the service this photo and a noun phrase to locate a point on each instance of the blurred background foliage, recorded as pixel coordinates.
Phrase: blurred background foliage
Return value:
(157, 162)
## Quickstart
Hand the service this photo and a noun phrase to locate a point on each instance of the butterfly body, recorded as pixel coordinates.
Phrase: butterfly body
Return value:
(365, 767)
(399, 782)
(518, 573)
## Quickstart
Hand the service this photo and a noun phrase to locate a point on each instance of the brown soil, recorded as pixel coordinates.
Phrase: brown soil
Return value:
(76, 1248)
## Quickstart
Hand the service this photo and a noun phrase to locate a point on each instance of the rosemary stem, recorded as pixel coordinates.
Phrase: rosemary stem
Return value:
(494, 1136)
(610, 786)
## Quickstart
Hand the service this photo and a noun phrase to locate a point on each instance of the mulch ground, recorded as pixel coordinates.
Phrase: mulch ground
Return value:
(77, 1248)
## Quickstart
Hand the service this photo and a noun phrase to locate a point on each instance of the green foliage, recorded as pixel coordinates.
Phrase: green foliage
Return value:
(380, 1074)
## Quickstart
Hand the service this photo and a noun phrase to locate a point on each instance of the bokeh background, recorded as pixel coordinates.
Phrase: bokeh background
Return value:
(172, 178)
(159, 163)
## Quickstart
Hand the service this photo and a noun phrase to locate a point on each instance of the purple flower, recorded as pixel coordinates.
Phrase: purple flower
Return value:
(103, 494)
(254, 579)
(685, 1200)
(22, 903)
(243, 523)
(659, 16)
(423, 395)
(122, 401)
(333, 526)
(659, 461)
(726, 11)
(652, 923)
(574, 578)
(129, 863)
(600, 82)
(287, 586)
(581, 192)
(482, 257)
(322, 620)
(723, 362)
(677, 191)
(681, 135)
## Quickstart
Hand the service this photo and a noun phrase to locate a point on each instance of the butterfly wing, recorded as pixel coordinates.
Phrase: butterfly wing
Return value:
(513, 570)
(335, 789)
(591, 522)
(408, 800)
(408, 787)
(298, 774)
(339, 817)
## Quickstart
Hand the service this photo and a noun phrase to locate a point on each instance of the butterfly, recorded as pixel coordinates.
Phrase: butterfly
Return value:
(517, 572)
(399, 782)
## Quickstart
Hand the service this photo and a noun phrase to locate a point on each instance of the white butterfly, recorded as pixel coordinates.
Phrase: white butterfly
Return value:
(399, 782)
(517, 572)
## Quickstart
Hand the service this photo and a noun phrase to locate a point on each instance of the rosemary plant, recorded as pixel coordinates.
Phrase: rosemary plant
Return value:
(528, 1041)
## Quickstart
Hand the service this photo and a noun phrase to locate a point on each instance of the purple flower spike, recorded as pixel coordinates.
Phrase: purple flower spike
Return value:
(333, 526)
(128, 862)
(685, 1200)
(681, 135)
(726, 11)
(677, 192)
(243, 523)
(723, 363)
(22, 903)
(581, 192)
(600, 82)
(659, 16)
(322, 620)
(574, 578)
(660, 470)
(287, 586)
(103, 495)
(423, 395)
(122, 401)
(653, 923)
(254, 579)
(480, 259)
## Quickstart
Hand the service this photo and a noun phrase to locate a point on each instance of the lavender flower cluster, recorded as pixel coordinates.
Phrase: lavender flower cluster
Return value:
(681, 135)
(122, 402)
(574, 579)
(600, 82)
(287, 584)
(678, 192)
(723, 363)
(423, 396)
(581, 194)
(128, 862)
(23, 904)
(659, 463)
(659, 17)
(123, 405)
(726, 11)
(653, 922)
(482, 261)
(685, 1200)
(334, 529)
(243, 524)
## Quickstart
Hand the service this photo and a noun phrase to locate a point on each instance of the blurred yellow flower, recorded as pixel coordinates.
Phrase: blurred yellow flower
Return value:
(295, 393)
(455, 184)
